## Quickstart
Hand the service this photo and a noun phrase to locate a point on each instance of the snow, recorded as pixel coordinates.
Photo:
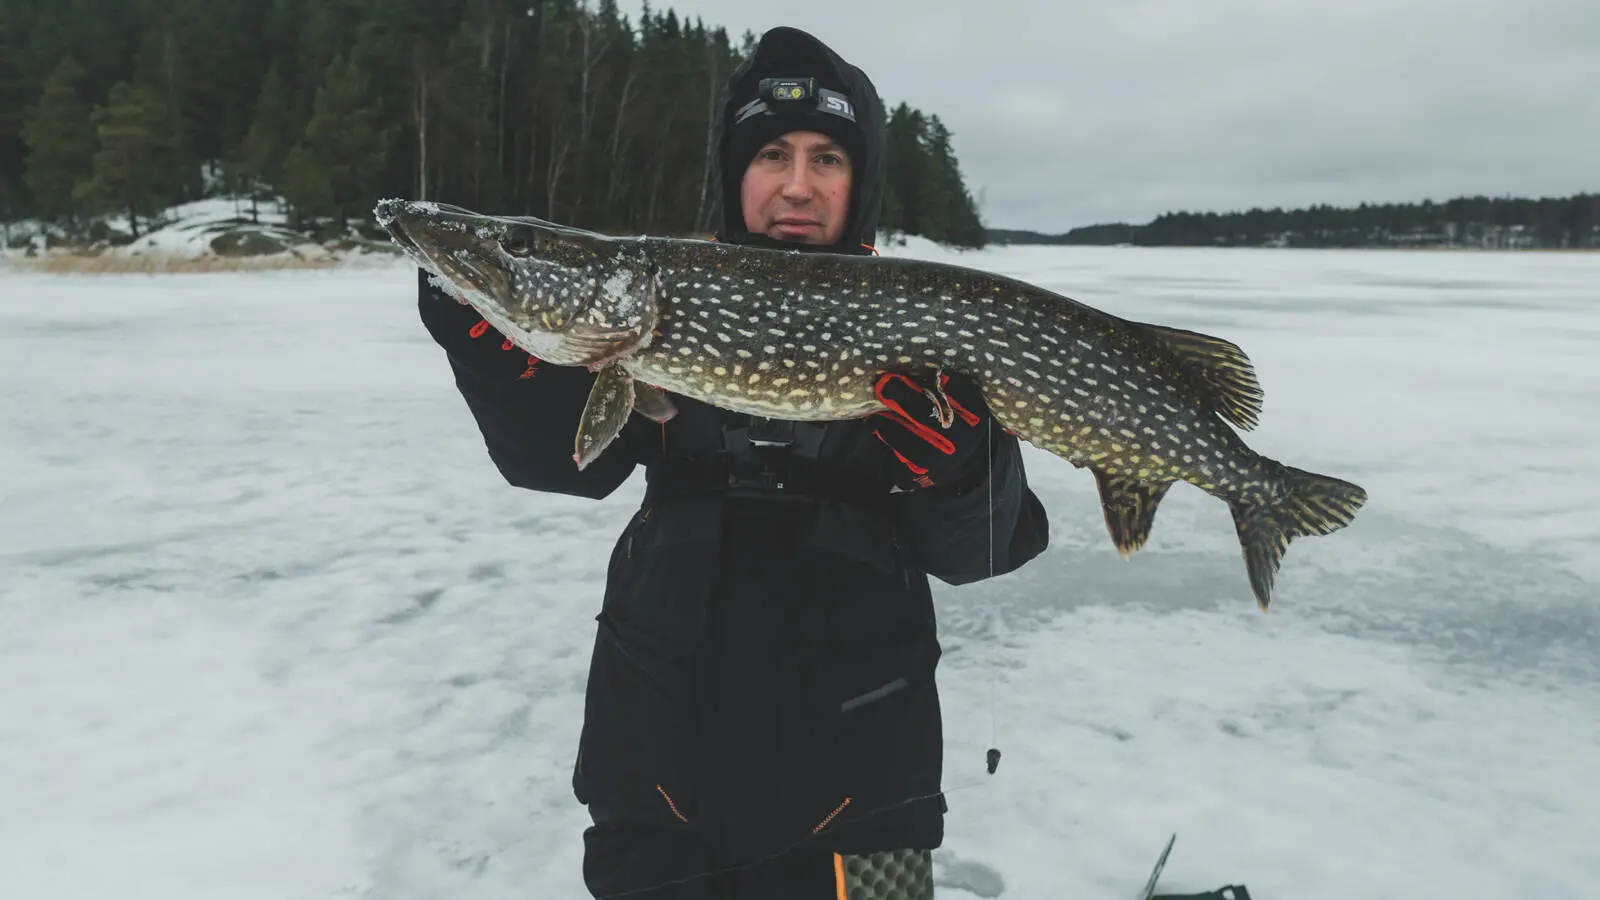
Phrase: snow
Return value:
(272, 627)
(187, 230)
(191, 226)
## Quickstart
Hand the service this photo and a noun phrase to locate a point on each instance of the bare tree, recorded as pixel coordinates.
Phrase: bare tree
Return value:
(702, 219)
(420, 93)
(616, 168)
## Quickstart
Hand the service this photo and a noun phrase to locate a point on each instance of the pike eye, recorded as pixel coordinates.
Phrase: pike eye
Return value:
(520, 241)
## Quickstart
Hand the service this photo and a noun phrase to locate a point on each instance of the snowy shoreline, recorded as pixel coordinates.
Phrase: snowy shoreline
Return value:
(217, 235)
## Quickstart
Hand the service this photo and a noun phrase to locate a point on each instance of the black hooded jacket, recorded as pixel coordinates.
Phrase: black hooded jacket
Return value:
(762, 673)
(790, 51)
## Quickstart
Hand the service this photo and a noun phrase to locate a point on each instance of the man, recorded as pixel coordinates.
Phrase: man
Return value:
(761, 718)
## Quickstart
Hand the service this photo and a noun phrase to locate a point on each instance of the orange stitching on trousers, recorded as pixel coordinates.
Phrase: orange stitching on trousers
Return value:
(670, 805)
(831, 816)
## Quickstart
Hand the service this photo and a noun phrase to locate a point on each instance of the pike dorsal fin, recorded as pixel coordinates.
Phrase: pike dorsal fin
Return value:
(1220, 368)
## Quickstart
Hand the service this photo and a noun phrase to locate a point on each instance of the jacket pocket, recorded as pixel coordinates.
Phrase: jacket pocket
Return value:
(877, 734)
(870, 675)
(659, 582)
(635, 752)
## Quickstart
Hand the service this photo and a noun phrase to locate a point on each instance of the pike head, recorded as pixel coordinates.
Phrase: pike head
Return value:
(565, 295)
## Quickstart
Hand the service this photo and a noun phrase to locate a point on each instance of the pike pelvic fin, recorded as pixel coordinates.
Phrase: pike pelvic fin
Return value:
(1130, 508)
(1220, 368)
(1309, 504)
(653, 403)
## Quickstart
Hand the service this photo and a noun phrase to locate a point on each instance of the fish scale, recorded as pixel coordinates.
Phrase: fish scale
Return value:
(806, 336)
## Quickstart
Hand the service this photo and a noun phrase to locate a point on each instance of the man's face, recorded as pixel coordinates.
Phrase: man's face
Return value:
(797, 189)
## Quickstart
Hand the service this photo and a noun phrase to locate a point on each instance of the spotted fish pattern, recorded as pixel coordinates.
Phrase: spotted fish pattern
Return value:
(804, 336)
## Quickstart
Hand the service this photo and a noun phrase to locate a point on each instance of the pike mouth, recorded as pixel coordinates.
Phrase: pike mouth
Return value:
(388, 214)
(444, 240)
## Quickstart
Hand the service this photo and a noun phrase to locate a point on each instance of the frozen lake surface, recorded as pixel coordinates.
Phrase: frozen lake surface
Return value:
(271, 625)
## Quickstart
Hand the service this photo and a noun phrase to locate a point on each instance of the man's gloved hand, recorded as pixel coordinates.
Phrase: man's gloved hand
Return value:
(464, 334)
(911, 428)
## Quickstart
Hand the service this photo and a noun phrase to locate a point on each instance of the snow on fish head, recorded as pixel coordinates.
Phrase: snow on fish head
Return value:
(568, 296)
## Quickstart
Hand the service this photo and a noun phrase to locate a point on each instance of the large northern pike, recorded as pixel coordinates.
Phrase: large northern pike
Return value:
(804, 336)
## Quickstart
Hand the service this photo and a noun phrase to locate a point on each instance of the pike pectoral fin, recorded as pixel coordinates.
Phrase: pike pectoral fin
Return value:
(601, 349)
(1130, 508)
(653, 403)
(610, 403)
(1309, 504)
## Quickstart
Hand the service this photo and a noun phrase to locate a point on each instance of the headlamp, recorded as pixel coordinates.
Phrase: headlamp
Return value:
(774, 95)
(783, 90)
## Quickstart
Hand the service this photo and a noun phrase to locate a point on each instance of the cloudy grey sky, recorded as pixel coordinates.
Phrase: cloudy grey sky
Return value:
(1067, 113)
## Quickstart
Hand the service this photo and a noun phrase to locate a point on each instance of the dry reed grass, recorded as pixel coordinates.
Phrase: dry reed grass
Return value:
(67, 263)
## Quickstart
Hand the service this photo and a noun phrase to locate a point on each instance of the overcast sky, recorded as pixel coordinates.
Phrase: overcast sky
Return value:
(1068, 113)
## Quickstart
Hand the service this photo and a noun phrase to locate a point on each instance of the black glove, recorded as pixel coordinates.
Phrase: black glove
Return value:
(934, 453)
(468, 337)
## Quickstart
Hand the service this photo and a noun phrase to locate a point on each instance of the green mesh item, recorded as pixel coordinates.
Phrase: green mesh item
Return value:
(890, 875)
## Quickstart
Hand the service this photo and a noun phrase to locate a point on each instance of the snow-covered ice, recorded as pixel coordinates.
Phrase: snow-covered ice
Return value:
(271, 626)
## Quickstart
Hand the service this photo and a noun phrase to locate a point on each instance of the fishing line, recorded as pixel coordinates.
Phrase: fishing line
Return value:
(992, 757)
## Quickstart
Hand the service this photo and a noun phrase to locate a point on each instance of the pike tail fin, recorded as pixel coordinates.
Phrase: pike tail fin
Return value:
(1311, 504)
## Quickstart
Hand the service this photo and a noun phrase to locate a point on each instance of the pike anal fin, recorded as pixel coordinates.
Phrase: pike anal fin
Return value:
(611, 401)
(1130, 508)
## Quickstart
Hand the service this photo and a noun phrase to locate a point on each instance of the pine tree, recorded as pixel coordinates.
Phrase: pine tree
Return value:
(307, 187)
(956, 215)
(160, 67)
(226, 49)
(339, 162)
(907, 165)
(470, 120)
(61, 142)
(134, 162)
(259, 162)
(18, 91)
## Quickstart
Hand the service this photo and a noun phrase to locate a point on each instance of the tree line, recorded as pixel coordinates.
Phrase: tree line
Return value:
(1482, 222)
(561, 109)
